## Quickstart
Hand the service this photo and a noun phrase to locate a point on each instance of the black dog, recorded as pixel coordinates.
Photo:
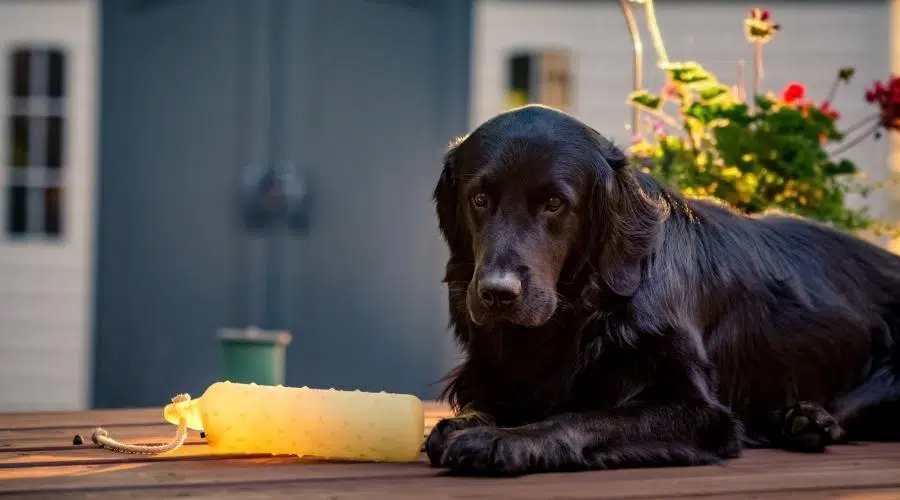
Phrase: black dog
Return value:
(607, 321)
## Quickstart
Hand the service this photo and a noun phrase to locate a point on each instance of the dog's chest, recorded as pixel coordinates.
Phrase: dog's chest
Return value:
(529, 384)
(609, 381)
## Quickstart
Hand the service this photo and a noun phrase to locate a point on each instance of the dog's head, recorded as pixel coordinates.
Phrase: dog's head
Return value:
(531, 196)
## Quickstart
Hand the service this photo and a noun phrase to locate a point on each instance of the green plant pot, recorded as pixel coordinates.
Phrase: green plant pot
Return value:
(251, 355)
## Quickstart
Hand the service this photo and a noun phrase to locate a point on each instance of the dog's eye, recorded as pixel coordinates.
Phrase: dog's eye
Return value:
(553, 204)
(479, 200)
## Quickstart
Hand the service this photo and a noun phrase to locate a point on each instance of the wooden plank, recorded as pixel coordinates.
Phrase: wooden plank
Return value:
(63, 437)
(63, 419)
(292, 491)
(94, 455)
(56, 430)
(870, 466)
(407, 481)
(160, 473)
(58, 443)
(336, 490)
(124, 417)
(52, 467)
(763, 459)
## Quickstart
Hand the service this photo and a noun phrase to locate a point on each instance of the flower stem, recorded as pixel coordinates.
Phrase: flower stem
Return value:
(757, 67)
(655, 35)
(862, 122)
(740, 91)
(832, 92)
(668, 120)
(856, 140)
(637, 51)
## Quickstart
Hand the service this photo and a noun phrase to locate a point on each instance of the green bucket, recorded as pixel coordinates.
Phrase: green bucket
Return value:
(251, 355)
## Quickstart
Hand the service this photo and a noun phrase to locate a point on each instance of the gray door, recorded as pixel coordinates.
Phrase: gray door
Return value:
(371, 100)
(184, 108)
(363, 94)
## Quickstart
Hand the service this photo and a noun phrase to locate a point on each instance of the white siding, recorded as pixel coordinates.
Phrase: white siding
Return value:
(46, 285)
(816, 39)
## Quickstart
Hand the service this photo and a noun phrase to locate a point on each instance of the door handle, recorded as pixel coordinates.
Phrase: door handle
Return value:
(274, 194)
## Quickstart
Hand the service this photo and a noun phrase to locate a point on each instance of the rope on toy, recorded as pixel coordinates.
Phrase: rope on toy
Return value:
(101, 436)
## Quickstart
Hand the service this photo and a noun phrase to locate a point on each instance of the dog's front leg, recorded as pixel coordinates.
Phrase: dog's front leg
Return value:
(437, 439)
(633, 436)
(676, 420)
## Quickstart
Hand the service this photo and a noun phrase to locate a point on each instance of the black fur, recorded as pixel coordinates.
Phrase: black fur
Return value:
(649, 329)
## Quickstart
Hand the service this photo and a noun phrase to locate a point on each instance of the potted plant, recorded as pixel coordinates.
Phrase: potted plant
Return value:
(758, 152)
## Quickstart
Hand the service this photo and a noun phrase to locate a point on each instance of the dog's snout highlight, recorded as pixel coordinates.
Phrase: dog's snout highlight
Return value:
(499, 289)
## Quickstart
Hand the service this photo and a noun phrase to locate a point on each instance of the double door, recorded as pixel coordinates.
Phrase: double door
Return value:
(358, 97)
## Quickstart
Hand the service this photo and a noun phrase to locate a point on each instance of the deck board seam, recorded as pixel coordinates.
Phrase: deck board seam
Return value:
(324, 481)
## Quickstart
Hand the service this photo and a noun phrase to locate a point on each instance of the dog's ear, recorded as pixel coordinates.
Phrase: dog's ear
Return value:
(627, 222)
(446, 199)
(607, 152)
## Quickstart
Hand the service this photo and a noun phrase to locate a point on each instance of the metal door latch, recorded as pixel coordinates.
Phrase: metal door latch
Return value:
(274, 194)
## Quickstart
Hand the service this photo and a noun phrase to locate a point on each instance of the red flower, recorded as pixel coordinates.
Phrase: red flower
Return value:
(887, 98)
(758, 26)
(828, 111)
(760, 14)
(793, 92)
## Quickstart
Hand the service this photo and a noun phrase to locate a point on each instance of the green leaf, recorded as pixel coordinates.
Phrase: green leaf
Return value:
(846, 74)
(843, 167)
(760, 31)
(680, 65)
(819, 122)
(713, 92)
(688, 73)
(645, 99)
(700, 112)
(763, 102)
(707, 113)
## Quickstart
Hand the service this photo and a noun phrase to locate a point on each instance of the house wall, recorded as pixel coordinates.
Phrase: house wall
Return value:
(48, 92)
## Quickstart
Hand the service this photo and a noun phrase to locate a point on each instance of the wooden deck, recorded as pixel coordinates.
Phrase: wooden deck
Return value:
(38, 460)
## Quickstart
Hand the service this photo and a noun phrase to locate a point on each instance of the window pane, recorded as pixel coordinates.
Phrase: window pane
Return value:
(539, 77)
(518, 89)
(53, 210)
(554, 89)
(20, 73)
(53, 155)
(520, 72)
(18, 131)
(17, 210)
(56, 74)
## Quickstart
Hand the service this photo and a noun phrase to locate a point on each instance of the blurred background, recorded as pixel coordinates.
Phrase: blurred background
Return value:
(173, 168)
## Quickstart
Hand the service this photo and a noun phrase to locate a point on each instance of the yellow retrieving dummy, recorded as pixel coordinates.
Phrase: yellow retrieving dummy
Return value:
(328, 424)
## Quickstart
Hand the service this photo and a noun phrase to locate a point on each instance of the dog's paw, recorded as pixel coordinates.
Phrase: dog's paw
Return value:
(807, 427)
(489, 451)
(437, 439)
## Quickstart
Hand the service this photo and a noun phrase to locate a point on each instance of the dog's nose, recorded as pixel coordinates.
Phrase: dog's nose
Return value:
(500, 289)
